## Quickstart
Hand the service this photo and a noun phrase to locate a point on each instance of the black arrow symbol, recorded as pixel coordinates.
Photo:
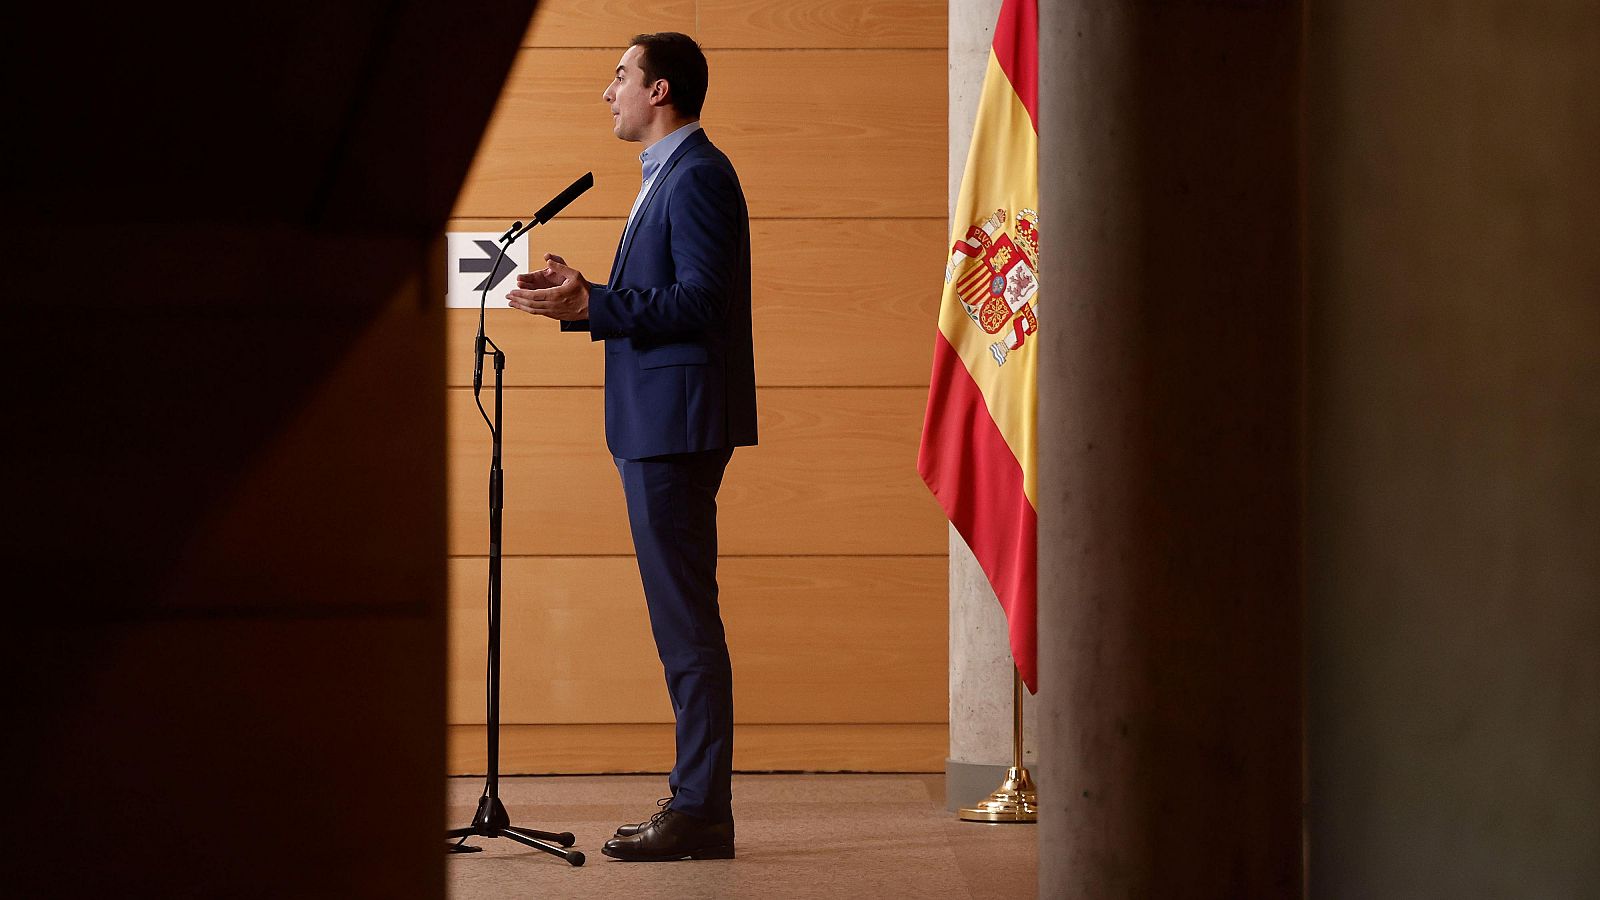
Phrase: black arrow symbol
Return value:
(491, 250)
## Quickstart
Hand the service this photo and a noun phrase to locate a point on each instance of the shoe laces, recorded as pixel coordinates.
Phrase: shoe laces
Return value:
(665, 804)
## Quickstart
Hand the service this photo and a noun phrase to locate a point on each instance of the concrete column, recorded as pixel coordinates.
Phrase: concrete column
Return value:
(1455, 450)
(1170, 450)
(980, 654)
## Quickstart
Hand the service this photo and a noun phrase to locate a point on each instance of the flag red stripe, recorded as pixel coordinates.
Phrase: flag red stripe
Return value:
(1016, 48)
(971, 470)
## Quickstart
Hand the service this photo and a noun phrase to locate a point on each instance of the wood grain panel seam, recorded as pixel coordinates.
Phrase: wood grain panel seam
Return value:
(712, 47)
(668, 724)
(764, 387)
(884, 218)
(720, 556)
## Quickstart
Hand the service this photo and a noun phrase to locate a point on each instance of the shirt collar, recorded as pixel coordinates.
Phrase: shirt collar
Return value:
(661, 151)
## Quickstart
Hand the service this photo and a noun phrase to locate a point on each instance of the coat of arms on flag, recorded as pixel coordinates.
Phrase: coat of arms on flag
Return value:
(997, 278)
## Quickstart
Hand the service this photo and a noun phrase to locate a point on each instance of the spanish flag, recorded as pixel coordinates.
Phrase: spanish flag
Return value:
(978, 438)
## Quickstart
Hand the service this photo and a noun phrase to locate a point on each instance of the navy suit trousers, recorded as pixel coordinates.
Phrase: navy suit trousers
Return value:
(672, 511)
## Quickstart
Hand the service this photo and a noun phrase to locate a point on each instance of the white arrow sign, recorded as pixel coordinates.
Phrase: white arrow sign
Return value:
(470, 255)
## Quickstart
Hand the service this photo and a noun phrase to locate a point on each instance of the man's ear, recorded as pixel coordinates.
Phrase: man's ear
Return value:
(661, 92)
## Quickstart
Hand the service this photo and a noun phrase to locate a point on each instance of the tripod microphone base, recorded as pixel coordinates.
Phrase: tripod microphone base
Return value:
(491, 814)
(491, 821)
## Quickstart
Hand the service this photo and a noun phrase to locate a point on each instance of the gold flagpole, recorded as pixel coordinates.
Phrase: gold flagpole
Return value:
(1016, 800)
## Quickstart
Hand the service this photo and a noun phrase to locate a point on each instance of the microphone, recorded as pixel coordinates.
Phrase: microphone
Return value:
(549, 210)
(572, 193)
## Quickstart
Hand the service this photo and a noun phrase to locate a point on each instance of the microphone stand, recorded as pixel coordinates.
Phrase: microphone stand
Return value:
(491, 819)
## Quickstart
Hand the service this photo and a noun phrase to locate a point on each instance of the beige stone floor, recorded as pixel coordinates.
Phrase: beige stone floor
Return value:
(799, 836)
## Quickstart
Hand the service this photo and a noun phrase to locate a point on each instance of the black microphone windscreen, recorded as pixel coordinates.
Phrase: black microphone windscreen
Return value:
(565, 197)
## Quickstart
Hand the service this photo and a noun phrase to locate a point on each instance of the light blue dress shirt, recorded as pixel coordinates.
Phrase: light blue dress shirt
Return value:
(651, 161)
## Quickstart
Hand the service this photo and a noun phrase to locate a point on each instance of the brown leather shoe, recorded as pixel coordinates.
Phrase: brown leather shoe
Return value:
(631, 830)
(671, 835)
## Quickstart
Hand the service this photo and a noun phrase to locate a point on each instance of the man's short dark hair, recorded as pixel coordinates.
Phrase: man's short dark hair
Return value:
(677, 59)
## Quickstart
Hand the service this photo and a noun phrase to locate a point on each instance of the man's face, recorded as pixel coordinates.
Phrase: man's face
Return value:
(629, 97)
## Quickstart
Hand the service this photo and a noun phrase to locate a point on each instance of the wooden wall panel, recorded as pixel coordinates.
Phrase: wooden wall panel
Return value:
(562, 493)
(787, 24)
(606, 23)
(834, 475)
(843, 302)
(834, 134)
(576, 638)
(809, 747)
(578, 647)
(550, 126)
(743, 24)
(841, 134)
(847, 302)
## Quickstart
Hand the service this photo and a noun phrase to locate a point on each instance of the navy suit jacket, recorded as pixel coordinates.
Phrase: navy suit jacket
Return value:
(675, 317)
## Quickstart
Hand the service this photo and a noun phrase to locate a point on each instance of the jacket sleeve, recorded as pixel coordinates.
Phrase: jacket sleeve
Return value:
(704, 216)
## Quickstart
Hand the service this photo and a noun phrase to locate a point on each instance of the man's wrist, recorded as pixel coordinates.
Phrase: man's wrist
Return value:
(589, 297)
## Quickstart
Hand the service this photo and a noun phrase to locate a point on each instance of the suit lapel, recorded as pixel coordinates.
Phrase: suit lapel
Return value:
(628, 234)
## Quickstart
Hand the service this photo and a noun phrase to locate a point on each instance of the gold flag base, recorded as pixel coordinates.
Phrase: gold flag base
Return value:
(1016, 800)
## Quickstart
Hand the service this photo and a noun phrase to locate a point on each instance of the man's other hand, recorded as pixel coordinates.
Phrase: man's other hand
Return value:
(543, 278)
(557, 291)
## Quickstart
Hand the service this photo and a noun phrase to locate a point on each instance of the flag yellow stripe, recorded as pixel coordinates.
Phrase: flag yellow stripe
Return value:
(1001, 173)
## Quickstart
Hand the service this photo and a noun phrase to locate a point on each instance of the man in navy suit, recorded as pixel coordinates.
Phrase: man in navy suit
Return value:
(680, 395)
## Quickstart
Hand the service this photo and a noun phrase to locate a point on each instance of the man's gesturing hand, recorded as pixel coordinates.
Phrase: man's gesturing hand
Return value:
(557, 291)
(533, 281)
